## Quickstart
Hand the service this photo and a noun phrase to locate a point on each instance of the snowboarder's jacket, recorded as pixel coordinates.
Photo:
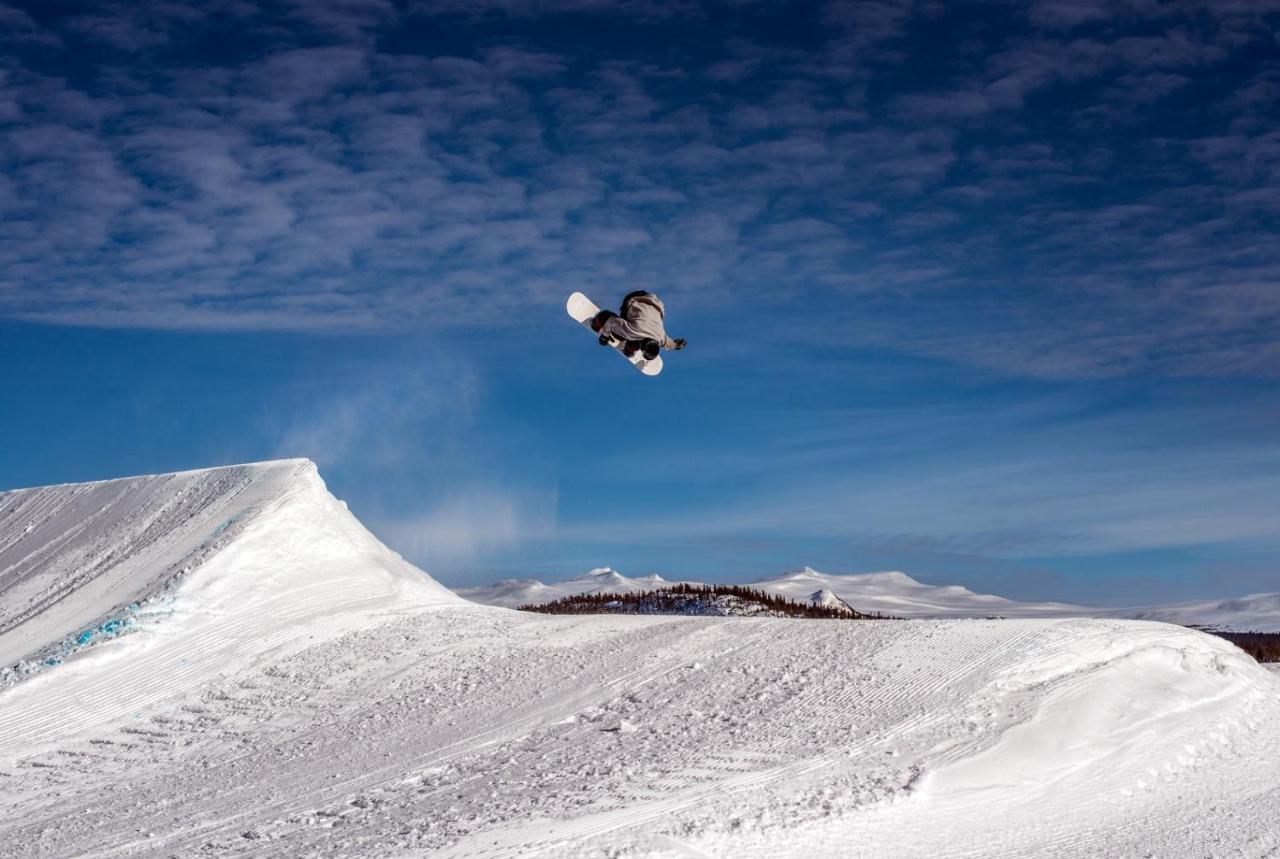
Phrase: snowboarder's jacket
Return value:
(641, 319)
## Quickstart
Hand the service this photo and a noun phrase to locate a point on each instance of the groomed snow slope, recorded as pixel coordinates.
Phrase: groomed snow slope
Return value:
(118, 595)
(73, 556)
(476, 732)
(312, 694)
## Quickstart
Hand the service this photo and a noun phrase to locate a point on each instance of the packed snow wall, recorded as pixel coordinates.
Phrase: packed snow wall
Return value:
(82, 563)
(121, 597)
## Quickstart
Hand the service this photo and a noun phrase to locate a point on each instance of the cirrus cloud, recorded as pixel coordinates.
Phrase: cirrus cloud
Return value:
(377, 166)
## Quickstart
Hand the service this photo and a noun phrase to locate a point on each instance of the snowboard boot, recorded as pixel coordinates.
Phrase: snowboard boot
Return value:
(650, 349)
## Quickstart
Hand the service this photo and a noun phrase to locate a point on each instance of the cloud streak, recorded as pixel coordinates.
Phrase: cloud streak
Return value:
(1011, 483)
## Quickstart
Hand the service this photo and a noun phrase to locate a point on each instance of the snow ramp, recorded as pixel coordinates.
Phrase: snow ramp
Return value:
(218, 565)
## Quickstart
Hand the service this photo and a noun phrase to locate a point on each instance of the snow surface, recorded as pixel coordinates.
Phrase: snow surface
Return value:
(310, 693)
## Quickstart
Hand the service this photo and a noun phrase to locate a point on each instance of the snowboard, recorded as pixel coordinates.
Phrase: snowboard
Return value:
(583, 310)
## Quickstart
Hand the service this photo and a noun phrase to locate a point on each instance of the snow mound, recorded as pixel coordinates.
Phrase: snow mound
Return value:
(1078, 738)
(204, 570)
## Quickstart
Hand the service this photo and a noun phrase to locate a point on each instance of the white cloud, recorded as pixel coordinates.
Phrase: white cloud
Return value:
(321, 181)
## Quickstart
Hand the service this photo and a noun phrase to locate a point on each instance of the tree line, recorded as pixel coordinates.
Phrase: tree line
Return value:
(1262, 646)
(688, 599)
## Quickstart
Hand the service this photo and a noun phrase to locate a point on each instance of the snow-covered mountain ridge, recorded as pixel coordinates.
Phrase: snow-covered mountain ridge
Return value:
(898, 594)
(512, 593)
(296, 688)
(1249, 613)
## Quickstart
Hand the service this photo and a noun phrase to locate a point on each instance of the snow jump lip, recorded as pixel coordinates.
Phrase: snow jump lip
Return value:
(120, 596)
(81, 564)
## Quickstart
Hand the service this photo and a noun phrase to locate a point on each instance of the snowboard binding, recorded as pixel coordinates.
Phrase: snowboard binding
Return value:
(648, 348)
(598, 321)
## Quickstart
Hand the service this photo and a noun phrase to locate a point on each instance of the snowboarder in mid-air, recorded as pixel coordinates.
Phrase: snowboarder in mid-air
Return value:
(639, 326)
(637, 335)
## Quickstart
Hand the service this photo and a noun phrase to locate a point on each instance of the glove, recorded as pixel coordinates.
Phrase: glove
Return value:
(605, 340)
(678, 343)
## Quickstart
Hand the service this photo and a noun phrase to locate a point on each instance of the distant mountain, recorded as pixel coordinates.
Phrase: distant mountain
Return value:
(898, 594)
(887, 593)
(511, 593)
(826, 599)
(704, 600)
(1252, 613)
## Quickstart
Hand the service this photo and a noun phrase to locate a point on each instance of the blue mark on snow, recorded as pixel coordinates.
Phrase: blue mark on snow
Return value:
(123, 621)
(108, 629)
(224, 526)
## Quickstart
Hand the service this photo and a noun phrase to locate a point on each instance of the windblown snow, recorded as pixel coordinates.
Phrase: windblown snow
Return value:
(286, 685)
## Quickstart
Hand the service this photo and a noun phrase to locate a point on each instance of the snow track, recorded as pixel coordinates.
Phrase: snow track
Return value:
(309, 693)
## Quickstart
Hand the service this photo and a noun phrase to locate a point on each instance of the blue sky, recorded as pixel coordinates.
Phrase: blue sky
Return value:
(987, 292)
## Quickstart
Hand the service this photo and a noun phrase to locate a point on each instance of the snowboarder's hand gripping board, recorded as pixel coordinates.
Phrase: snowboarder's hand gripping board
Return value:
(584, 310)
